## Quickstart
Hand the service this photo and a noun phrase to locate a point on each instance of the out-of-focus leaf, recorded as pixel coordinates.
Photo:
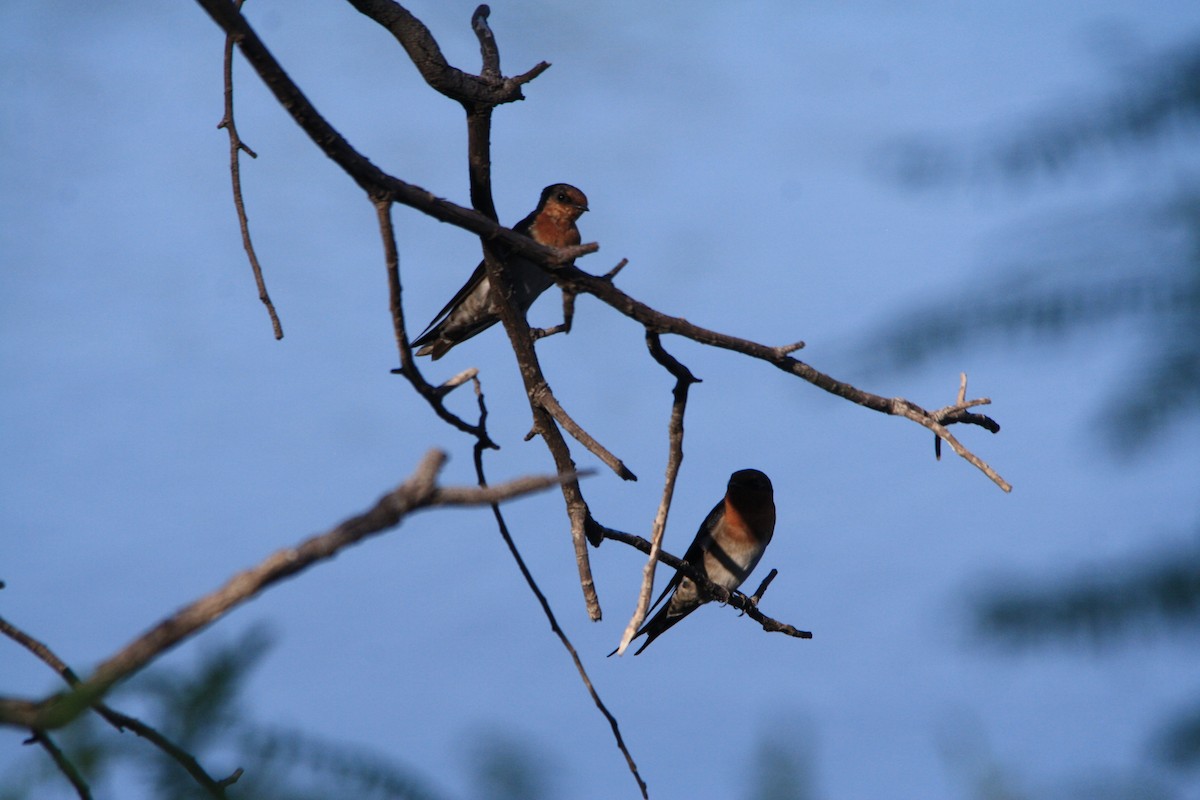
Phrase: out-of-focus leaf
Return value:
(1106, 605)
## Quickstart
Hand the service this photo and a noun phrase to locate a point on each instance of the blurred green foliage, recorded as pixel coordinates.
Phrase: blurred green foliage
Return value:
(1135, 263)
(1133, 266)
(204, 711)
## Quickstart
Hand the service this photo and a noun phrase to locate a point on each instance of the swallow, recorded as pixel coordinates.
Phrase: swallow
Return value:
(474, 310)
(727, 548)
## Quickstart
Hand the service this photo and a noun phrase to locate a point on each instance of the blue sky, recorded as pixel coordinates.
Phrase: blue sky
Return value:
(157, 439)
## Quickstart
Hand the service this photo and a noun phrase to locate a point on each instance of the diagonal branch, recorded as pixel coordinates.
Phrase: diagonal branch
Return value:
(546, 399)
(236, 147)
(780, 357)
(958, 413)
(121, 721)
(906, 408)
(683, 380)
(748, 605)
(381, 185)
(480, 446)
(541, 401)
(373, 180)
(422, 48)
(433, 395)
(69, 770)
(418, 492)
(554, 626)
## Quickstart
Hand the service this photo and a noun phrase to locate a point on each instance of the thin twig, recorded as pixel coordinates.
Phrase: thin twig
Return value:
(762, 587)
(554, 626)
(714, 590)
(488, 51)
(236, 147)
(683, 380)
(433, 395)
(479, 163)
(612, 273)
(546, 399)
(920, 416)
(962, 398)
(568, 308)
(380, 184)
(420, 491)
(63, 763)
(115, 718)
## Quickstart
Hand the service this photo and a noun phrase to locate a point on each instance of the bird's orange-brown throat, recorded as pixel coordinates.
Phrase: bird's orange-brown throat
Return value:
(749, 513)
(555, 226)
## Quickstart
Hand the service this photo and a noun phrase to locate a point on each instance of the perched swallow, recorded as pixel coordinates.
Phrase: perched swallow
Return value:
(726, 549)
(473, 310)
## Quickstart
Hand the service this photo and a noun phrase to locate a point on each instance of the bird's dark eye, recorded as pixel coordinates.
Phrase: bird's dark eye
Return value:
(561, 197)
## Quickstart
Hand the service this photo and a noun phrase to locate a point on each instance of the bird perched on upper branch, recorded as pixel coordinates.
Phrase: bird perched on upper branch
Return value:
(727, 548)
(473, 310)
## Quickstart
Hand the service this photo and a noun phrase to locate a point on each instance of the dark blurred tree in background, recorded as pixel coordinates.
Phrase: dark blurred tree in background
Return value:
(1132, 265)
(204, 710)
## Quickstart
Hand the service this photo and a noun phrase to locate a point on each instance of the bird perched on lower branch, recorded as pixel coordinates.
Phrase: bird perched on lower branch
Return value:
(726, 549)
(473, 310)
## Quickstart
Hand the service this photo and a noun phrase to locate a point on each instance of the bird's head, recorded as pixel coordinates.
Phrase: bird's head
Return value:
(750, 480)
(564, 199)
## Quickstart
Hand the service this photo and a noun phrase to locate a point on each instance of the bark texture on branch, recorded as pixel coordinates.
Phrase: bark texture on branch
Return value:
(418, 492)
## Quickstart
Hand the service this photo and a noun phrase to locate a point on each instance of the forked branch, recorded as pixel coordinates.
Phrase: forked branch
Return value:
(749, 605)
(215, 788)
(418, 492)
(384, 186)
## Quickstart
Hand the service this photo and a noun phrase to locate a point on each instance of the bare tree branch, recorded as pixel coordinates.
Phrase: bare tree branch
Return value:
(748, 605)
(937, 421)
(546, 399)
(489, 89)
(479, 159)
(380, 184)
(762, 587)
(489, 52)
(360, 169)
(568, 308)
(236, 147)
(418, 492)
(554, 626)
(541, 401)
(543, 422)
(63, 763)
(962, 405)
(433, 395)
(121, 721)
(683, 380)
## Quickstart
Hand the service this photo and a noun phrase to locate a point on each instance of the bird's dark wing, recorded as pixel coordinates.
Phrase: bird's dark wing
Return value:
(428, 335)
(526, 224)
(695, 552)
